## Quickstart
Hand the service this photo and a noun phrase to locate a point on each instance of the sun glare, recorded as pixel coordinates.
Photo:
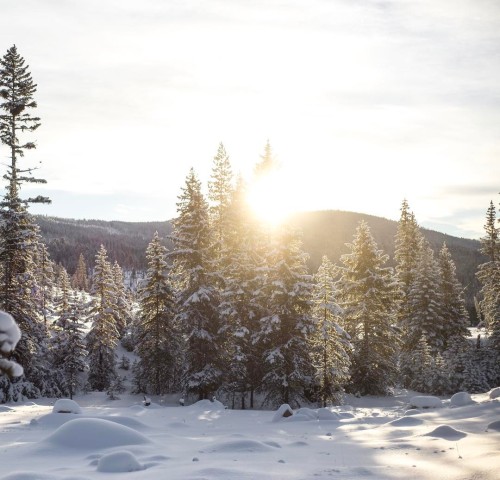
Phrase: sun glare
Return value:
(270, 200)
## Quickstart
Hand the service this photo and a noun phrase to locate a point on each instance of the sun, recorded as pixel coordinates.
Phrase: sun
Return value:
(270, 199)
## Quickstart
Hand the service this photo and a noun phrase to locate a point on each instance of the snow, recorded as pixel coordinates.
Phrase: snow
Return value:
(65, 405)
(9, 333)
(460, 399)
(494, 392)
(425, 401)
(373, 437)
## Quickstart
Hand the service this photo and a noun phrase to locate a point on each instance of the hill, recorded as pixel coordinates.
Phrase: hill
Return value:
(323, 233)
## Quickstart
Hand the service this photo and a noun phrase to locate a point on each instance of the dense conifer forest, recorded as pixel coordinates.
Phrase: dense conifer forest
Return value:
(229, 305)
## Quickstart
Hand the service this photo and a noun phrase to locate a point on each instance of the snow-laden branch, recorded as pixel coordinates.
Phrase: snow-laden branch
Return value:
(9, 336)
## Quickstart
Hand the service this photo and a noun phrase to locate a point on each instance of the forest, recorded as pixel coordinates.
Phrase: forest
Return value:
(229, 306)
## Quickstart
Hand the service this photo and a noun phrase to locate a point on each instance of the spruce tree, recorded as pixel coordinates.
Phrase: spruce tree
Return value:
(198, 296)
(103, 336)
(368, 293)
(407, 248)
(489, 276)
(68, 352)
(159, 343)
(455, 316)
(285, 330)
(330, 347)
(18, 232)
(80, 279)
(220, 188)
(123, 308)
(243, 302)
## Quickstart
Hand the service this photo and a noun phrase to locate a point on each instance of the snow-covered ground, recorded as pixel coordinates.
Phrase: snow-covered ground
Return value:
(376, 438)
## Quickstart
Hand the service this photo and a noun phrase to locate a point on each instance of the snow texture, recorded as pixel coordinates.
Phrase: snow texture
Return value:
(373, 438)
(65, 405)
(426, 401)
(460, 399)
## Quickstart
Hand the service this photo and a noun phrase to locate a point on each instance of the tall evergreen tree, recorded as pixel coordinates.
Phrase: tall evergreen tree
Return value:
(489, 276)
(123, 308)
(103, 336)
(80, 278)
(285, 330)
(18, 233)
(198, 297)
(455, 316)
(407, 248)
(330, 345)
(242, 302)
(220, 188)
(367, 293)
(159, 343)
(68, 352)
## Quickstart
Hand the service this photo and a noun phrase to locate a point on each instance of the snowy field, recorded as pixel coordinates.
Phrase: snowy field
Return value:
(372, 438)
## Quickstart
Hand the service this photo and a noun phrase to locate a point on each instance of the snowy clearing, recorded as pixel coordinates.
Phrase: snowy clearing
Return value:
(372, 437)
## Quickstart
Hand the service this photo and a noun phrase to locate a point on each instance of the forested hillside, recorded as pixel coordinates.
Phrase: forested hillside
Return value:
(323, 233)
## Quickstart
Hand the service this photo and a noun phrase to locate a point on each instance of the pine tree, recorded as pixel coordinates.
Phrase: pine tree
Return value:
(103, 336)
(18, 232)
(367, 293)
(453, 309)
(123, 308)
(219, 194)
(80, 278)
(285, 330)
(407, 248)
(68, 352)
(44, 276)
(159, 343)
(330, 347)
(489, 276)
(243, 301)
(198, 297)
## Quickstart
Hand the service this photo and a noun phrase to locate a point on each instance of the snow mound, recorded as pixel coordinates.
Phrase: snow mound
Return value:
(460, 399)
(209, 405)
(494, 426)
(426, 401)
(5, 408)
(241, 446)
(406, 422)
(308, 413)
(326, 414)
(119, 462)
(446, 432)
(284, 411)
(412, 411)
(494, 393)
(65, 405)
(94, 433)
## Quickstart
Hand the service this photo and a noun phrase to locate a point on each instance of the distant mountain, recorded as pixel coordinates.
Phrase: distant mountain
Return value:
(323, 233)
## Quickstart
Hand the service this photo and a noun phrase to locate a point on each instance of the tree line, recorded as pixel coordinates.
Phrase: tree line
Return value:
(231, 309)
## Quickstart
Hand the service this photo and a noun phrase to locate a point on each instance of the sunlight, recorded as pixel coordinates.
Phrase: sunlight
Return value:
(270, 198)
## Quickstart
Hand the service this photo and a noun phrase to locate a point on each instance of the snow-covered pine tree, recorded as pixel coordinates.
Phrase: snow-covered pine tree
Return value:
(198, 296)
(123, 310)
(220, 187)
(44, 276)
(421, 366)
(285, 330)
(368, 293)
(18, 234)
(241, 303)
(489, 276)
(159, 343)
(407, 247)
(103, 336)
(68, 351)
(455, 316)
(80, 279)
(330, 347)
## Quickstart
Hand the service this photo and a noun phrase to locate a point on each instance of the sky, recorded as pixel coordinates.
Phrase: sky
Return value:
(365, 103)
